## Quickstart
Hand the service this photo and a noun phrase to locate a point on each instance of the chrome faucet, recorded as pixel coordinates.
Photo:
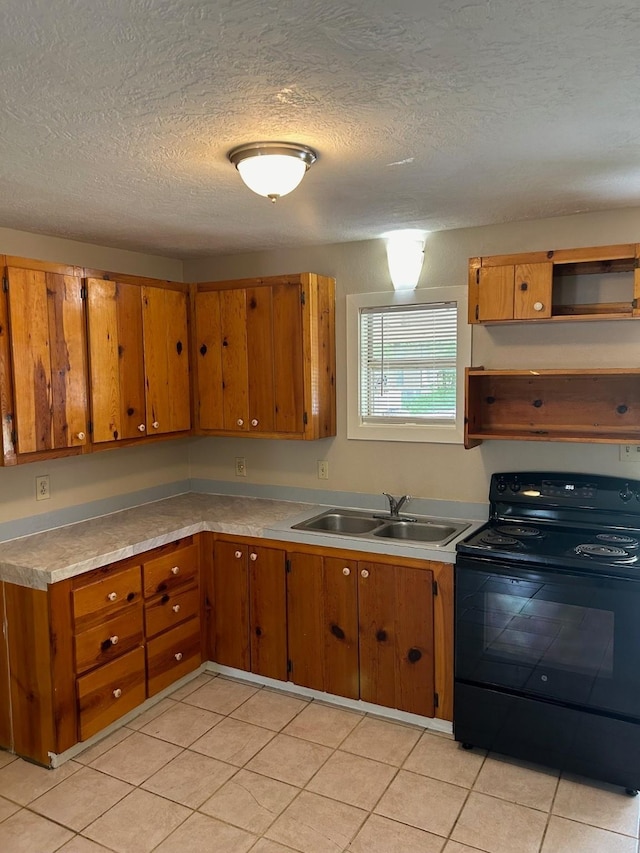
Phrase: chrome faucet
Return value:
(395, 505)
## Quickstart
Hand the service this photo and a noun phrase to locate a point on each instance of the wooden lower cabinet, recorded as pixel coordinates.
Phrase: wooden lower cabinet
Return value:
(110, 691)
(5, 703)
(172, 655)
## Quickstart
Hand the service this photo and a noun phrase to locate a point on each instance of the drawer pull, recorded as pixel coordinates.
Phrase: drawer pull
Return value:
(254, 422)
(176, 608)
(240, 422)
(238, 554)
(141, 427)
(117, 693)
(538, 306)
(155, 424)
(114, 640)
(178, 656)
(112, 596)
(365, 573)
(81, 436)
(253, 556)
(175, 570)
(346, 571)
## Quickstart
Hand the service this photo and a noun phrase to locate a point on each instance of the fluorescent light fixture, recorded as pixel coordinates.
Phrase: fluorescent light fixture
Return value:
(272, 169)
(405, 256)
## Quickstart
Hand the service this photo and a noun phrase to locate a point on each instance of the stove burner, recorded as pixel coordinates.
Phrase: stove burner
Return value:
(605, 552)
(618, 539)
(519, 532)
(491, 537)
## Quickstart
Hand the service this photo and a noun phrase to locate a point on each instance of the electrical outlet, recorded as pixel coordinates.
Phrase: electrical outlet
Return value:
(42, 488)
(630, 452)
(323, 469)
(241, 466)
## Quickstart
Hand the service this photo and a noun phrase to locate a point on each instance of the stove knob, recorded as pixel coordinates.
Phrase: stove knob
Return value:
(625, 493)
(638, 496)
(501, 486)
(515, 487)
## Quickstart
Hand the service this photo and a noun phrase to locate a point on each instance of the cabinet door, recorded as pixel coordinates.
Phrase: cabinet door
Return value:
(116, 360)
(268, 612)
(396, 637)
(340, 651)
(235, 377)
(5, 698)
(288, 358)
(166, 360)
(305, 620)
(210, 385)
(260, 359)
(532, 293)
(48, 354)
(495, 293)
(231, 605)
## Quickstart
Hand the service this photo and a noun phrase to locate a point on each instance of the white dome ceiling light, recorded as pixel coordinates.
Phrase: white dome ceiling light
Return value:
(272, 169)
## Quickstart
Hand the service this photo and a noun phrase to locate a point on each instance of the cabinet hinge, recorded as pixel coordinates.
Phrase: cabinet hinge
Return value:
(305, 419)
(477, 312)
(83, 291)
(14, 437)
(289, 666)
(435, 587)
(436, 700)
(90, 427)
(303, 297)
(478, 275)
(5, 284)
(634, 303)
(287, 565)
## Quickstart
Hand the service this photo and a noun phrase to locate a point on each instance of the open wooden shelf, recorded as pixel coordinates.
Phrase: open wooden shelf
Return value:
(597, 406)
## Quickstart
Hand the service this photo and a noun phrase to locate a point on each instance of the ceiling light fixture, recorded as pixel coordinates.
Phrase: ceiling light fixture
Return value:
(405, 256)
(272, 169)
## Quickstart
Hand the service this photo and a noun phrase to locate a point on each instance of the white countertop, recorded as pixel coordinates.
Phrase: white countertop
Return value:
(45, 558)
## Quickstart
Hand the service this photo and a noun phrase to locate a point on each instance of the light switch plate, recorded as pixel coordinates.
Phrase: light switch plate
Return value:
(630, 453)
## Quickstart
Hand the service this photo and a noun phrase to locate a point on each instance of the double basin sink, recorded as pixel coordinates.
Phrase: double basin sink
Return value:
(367, 525)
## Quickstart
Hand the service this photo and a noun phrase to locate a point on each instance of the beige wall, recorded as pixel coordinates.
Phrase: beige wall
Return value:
(102, 475)
(430, 470)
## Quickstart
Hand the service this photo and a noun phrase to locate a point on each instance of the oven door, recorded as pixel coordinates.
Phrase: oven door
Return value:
(561, 636)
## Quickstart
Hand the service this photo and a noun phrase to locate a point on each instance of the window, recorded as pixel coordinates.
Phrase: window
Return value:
(405, 353)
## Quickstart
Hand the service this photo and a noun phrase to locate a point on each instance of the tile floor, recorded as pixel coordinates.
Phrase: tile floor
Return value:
(224, 767)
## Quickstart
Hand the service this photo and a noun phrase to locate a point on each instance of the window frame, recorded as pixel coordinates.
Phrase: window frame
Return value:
(435, 433)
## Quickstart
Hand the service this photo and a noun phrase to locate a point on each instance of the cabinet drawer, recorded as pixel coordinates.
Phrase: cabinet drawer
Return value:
(110, 692)
(109, 640)
(171, 608)
(104, 597)
(171, 570)
(172, 655)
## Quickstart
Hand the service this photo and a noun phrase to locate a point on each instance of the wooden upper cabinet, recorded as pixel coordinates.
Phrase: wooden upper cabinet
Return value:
(566, 284)
(47, 345)
(139, 359)
(265, 356)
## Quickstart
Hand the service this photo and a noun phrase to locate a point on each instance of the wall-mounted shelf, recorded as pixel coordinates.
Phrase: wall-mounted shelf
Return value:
(600, 405)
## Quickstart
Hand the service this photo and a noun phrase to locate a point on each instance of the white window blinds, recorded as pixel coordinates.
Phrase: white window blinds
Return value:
(408, 364)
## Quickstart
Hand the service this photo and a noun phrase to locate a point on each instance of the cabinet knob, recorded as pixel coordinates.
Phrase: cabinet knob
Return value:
(240, 422)
(346, 571)
(538, 306)
(141, 427)
(175, 570)
(81, 436)
(238, 554)
(176, 608)
(117, 693)
(114, 640)
(178, 656)
(364, 573)
(112, 596)
(253, 556)
(155, 424)
(254, 422)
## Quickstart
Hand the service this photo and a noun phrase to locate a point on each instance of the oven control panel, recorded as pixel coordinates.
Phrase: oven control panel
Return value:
(569, 490)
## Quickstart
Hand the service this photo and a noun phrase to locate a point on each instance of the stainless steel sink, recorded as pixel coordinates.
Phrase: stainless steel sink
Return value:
(365, 525)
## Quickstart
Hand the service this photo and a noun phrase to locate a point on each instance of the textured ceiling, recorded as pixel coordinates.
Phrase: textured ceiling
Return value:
(116, 117)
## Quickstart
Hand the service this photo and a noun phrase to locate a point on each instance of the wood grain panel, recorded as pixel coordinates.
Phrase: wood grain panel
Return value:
(209, 384)
(443, 639)
(340, 652)
(305, 620)
(414, 641)
(166, 571)
(6, 385)
(130, 361)
(496, 293)
(173, 655)
(288, 358)
(376, 598)
(156, 366)
(268, 612)
(231, 606)
(636, 297)
(170, 609)
(109, 640)
(324, 409)
(235, 377)
(261, 356)
(110, 692)
(533, 284)
(103, 598)
(65, 708)
(177, 342)
(6, 737)
(102, 324)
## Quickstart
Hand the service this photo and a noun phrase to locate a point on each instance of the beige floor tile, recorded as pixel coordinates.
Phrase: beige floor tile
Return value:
(201, 834)
(6, 758)
(22, 782)
(597, 804)
(517, 781)
(250, 801)
(499, 827)
(138, 823)
(269, 709)
(79, 844)
(7, 808)
(80, 799)
(190, 778)
(193, 685)
(233, 741)
(290, 759)
(92, 752)
(456, 847)
(567, 836)
(323, 724)
(182, 724)
(381, 835)
(264, 845)
(352, 779)
(150, 714)
(136, 758)
(25, 832)
(382, 741)
(314, 824)
(422, 802)
(220, 695)
(445, 759)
